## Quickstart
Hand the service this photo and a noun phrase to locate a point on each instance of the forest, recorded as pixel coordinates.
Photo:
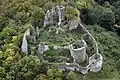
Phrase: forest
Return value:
(100, 17)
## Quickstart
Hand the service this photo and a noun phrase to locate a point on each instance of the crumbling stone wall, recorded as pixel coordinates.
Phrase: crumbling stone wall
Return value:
(86, 46)
(78, 54)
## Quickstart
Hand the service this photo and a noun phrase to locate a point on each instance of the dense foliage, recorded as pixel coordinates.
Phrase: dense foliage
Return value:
(16, 16)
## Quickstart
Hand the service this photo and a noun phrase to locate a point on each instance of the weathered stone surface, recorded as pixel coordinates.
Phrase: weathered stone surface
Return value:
(54, 16)
(79, 53)
(73, 67)
(90, 44)
(37, 31)
(24, 46)
(42, 48)
(60, 14)
(27, 32)
(33, 36)
(73, 24)
(80, 29)
(95, 62)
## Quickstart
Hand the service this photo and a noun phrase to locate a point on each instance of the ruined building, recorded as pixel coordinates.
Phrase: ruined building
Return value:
(81, 50)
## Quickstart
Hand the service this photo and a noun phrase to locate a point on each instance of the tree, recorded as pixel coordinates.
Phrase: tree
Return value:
(71, 76)
(117, 15)
(117, 11)
(116, 4)
(6, 34)
(94, 14)
(72, 3)
(54, 74)
(21, 17)
(2, 72)
(71, 13)
(37, 14)
(44, 67)
(26, 68)
(118, 65)
(49, 5)
(41, 77)
(83, 3)
(8, 57)
(3, 21)
(107, 20)
(39, 2)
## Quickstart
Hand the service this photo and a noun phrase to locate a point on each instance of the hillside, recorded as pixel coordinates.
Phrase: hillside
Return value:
(36, 38)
